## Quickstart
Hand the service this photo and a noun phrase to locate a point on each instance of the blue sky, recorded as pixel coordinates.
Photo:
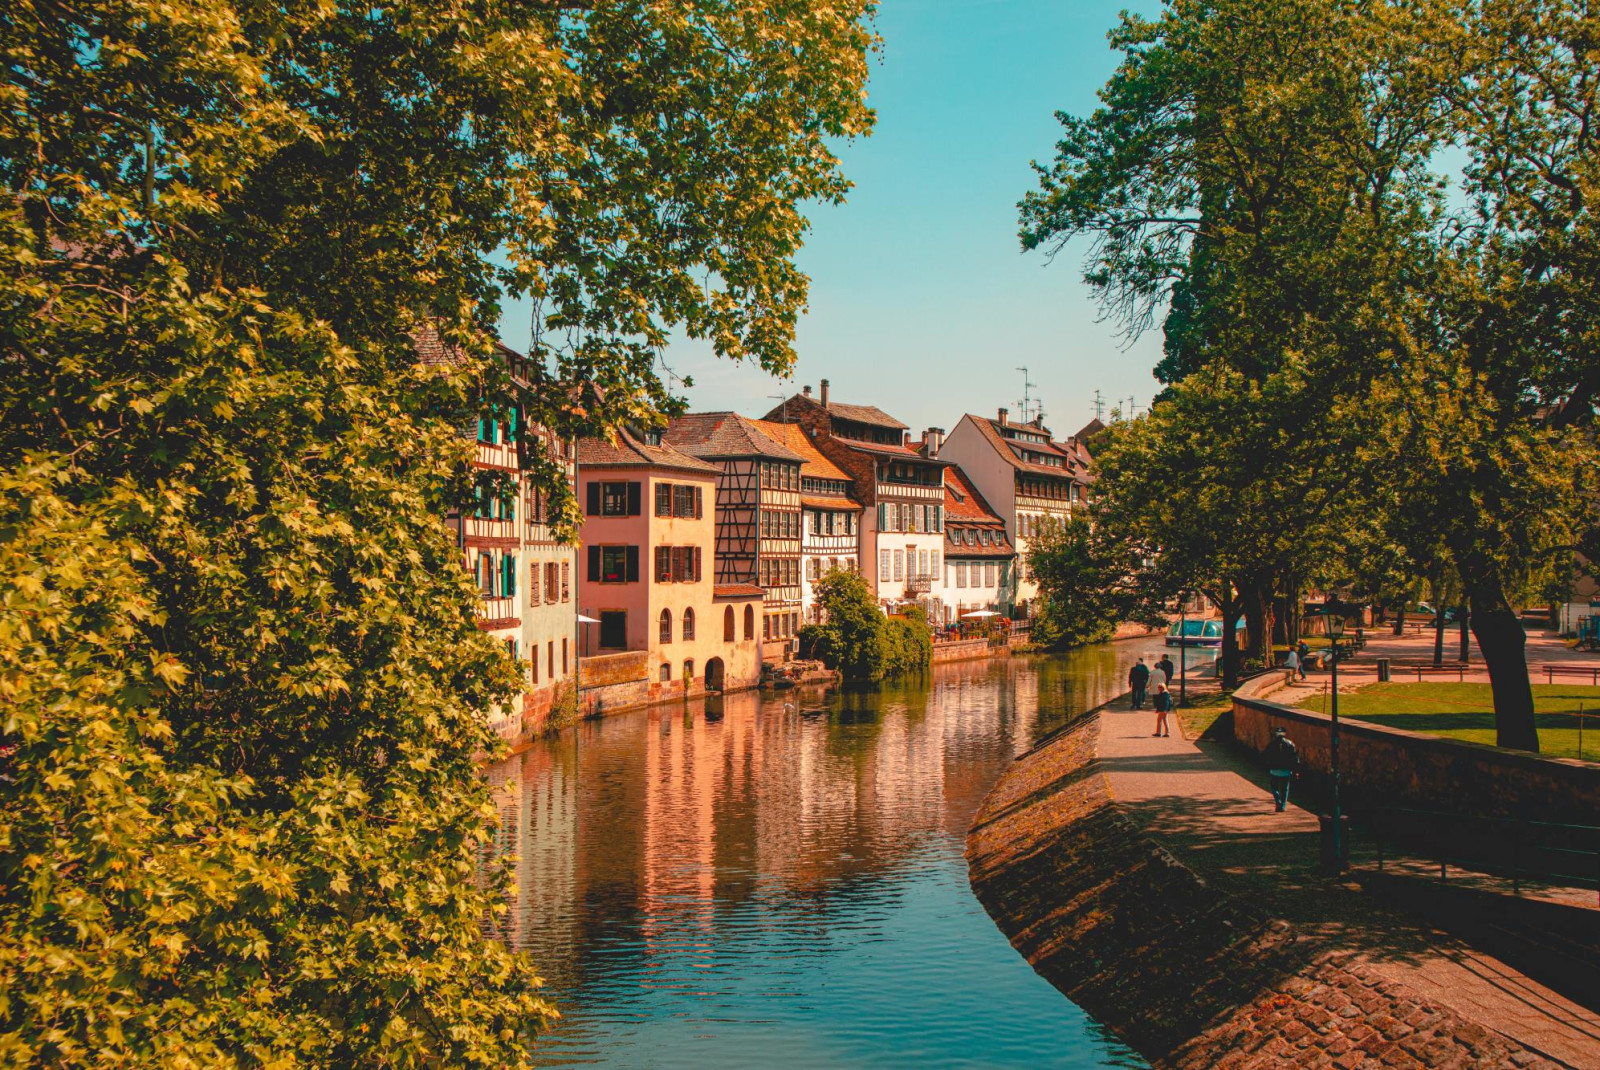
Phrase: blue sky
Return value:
(921, 300)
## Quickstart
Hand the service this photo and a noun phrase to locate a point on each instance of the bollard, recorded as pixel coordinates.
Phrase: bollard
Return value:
(1383, 670)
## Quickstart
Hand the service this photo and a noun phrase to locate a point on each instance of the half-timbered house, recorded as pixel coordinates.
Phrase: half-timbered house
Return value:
(830, 526)
(902, 492)
(648, 579)
(979, 562)
(758, 515)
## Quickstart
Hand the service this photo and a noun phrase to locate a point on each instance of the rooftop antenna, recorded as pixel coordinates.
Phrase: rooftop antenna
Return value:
(1027, 403)
(785, 399)
(1099, 405)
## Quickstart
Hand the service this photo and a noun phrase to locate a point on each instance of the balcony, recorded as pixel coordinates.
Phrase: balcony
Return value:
(919, 585)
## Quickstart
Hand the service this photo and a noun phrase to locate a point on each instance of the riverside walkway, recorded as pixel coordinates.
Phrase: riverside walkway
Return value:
(1211, 810)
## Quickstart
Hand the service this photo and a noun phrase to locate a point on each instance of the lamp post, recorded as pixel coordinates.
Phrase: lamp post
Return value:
(1335, 864)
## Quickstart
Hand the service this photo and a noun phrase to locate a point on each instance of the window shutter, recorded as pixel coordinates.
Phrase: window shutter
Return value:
(663, 499)
(633, 499)
(697, 510)
(594, 560)
(663, 564)
(594, 502)
(633, 551)
(697, 564)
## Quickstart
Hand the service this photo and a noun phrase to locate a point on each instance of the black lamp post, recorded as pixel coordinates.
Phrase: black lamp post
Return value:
(1335, 633)
(1183, 650)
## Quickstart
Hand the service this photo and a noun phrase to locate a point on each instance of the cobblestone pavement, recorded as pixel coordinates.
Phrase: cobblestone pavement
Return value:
(1212, 810)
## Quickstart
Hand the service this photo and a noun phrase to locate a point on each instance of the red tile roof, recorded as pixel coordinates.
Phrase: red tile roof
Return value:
(737, 590)
(962, 500)
(629, 452)
(864, 414)
(991, 431)
(794, 437)
(724, 434)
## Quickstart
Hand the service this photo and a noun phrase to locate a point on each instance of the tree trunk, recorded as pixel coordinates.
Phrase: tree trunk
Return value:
(1257, 598)
(1503, 642)
(1466, 643)
(1438, 625)
(1229, 607)
(1400, 620)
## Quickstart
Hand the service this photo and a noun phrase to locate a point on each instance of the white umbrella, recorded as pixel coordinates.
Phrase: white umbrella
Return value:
(981, 613)
(586, 620)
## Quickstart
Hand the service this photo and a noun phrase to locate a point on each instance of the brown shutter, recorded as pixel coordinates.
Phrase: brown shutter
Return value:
(633, 552)
(634, 495)
(594, 501)
(697, 564)
(594, 560)
(663, 564)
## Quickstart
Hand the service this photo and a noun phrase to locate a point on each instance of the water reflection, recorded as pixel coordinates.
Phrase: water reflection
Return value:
(780, 879)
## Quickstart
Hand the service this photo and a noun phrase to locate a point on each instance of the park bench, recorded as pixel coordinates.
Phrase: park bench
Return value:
(1591, 671)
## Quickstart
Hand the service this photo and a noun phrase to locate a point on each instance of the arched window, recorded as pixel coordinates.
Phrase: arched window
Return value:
(666, 625)
(728, 632)
(666, 672)
(688, 625)
(749, 622)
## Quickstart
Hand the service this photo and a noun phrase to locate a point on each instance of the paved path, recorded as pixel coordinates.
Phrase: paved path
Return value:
(1213, 812)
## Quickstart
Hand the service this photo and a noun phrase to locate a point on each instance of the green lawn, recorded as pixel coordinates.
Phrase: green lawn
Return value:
(1466, 711)
(1203, 711)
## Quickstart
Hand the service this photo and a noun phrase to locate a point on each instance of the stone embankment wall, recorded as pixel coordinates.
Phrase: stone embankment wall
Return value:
(1186, 974)
(1382, 766)
(964, 650)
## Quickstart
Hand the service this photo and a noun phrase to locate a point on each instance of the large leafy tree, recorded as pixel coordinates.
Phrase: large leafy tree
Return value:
(241, 679)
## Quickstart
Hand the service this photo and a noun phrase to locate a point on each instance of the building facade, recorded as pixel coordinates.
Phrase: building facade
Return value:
(830, 524)
(523, 573)
(649, 582)
(1029, 480)
(757, 516)
(979, 562)
(901, 492)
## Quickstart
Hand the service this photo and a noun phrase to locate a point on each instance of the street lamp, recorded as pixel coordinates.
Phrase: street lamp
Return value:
(1333, 834)
(1183, 650)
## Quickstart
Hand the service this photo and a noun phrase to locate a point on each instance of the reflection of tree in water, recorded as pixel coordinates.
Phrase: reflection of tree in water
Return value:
(664, 848)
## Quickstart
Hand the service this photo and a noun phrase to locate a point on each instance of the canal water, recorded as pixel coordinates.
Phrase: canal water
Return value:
(778, 880)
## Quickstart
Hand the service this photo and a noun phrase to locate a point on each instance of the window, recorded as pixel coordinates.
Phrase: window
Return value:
(899, 565)
(961, 574)
(665, 635)
(883, 565)
(728, 633)
(922, 563)
(508, 575)
(988, 574)
(813, 569)
(749, 622)
(663, 564)
(688, 624)
(934, 570)
(766, 627)
(614, 499)
(766, 524)
(686, 501)
(566, 588)
(613, 564)
(663, 501)
(666, 672)
(613, 629)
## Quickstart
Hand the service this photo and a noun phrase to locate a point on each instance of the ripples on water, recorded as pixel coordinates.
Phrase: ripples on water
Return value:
(779, 880)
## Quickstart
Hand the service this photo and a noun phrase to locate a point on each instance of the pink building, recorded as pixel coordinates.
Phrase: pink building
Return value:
(647, 577)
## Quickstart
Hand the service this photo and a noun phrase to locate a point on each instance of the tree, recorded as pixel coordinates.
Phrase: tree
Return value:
(856, 638)
(242, 678)
(1088, 583)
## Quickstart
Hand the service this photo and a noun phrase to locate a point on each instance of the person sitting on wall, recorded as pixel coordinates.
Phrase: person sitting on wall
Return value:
(1283, 760)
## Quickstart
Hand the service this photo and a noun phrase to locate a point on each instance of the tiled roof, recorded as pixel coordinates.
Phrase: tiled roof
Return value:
(724, 434)
(849, 505)
(864, 414)
(890, 451)
(962, 500)
(795, 438)
(990, 431)
(737, 590)
(629, 452)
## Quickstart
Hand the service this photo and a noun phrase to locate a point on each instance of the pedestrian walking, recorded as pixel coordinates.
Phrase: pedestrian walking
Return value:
(1162, 701)
(1304, 650)
(1283, 762)
(1138, 680)
(1167, 668)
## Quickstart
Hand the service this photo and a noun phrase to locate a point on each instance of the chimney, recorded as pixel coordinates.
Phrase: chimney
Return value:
(1005, 415)
(805, 391)
(933, 438)
(824, 393)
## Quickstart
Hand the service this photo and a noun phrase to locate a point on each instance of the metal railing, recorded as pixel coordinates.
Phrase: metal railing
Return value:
(1552, 671)
(1517, 848)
